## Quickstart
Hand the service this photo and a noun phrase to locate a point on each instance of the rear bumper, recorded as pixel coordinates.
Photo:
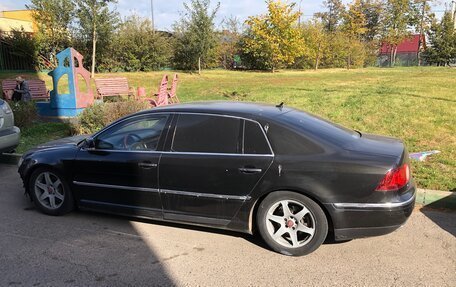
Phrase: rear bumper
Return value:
(9, 139)
(356, 220)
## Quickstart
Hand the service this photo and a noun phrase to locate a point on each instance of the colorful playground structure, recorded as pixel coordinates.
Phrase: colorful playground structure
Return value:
(69, 100)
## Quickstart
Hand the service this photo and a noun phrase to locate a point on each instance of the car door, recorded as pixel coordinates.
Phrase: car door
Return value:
(206, 175)
(120, 173)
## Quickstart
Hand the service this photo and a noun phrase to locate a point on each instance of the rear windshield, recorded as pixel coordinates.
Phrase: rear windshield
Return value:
(315, 126)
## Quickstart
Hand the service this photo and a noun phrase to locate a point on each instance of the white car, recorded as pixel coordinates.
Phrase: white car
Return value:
(9, 134)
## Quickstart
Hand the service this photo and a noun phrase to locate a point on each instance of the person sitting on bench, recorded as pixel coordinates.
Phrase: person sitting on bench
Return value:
(22, 91)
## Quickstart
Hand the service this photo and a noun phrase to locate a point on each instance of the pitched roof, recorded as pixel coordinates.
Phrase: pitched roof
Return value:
(409, 45)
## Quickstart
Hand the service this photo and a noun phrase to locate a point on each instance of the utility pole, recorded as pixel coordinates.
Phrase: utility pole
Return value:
(453, 12)
(420, 41)
(152, 14)
(299, 19)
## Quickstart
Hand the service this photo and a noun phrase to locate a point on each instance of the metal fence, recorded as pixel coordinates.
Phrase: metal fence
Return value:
(11, 59)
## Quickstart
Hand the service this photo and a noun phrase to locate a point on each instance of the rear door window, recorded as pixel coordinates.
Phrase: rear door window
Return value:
(255, 141)
(207, 134)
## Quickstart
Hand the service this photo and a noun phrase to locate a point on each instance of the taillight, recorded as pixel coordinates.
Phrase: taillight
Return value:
(395, 179)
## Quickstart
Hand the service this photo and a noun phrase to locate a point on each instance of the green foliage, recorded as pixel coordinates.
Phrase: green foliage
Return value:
(97, 116)
(24, 46)
(228, 47)
(273, 39)
(96, 24)
(398, 15)
(54, 19)
(196, 39)
(25, 113)
(332, 18)
(139, 48)
(442, 39)
(316, 44)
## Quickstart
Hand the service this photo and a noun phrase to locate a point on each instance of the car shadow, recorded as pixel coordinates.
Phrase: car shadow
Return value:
(442, 212)
(77, 249)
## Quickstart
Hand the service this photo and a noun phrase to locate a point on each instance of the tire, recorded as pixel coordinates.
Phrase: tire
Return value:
(297, 231)
(50, 191)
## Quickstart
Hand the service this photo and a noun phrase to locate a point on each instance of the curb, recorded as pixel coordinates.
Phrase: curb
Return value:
(10, 158)
(436, 198)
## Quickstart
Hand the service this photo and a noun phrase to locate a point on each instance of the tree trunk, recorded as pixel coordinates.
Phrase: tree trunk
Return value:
(317, 59)
(394, 55)
(391, 55)
(199, 65)
(94, 49)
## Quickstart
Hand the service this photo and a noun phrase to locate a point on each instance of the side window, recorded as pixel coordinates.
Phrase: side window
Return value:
(254, 139)
(206, 133)
(288, 142)
(140, 134)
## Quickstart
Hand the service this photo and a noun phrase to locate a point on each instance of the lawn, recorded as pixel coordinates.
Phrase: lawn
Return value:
(417, 104)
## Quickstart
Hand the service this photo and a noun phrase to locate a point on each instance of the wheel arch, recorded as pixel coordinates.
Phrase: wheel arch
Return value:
(32, 169)
(254, 209)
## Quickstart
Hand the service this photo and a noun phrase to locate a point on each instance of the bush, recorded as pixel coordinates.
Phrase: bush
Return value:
(97, 116)
(25, 113)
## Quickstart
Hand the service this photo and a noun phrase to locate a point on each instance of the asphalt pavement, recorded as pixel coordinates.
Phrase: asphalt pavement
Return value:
(91, 249)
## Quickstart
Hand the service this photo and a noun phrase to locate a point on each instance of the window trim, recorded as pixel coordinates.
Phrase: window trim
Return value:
(214, 153)
(171, 128)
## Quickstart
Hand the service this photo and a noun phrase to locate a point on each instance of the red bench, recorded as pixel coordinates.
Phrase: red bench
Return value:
(160, 98)
(173, 99)
(37, 87)
(108, 87)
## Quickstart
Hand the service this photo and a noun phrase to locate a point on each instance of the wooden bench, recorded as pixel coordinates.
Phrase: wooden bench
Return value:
(37, 87)
(108, 87)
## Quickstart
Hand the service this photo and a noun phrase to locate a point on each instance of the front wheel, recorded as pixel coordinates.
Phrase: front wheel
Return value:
(291, 223)
(50, 192)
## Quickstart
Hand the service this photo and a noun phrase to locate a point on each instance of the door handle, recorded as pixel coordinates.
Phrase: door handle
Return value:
(147, 165)
(250, 170)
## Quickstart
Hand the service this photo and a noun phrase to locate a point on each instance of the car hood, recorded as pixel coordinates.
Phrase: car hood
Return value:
(63, 142)
(67, 142)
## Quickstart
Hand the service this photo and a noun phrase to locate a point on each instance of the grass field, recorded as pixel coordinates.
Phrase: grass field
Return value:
(417, 105)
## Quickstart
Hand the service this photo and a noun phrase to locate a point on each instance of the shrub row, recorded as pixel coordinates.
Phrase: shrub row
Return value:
(97, 116)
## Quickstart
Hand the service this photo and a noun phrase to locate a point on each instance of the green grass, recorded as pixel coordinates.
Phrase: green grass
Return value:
(41, 133)
(417, 104)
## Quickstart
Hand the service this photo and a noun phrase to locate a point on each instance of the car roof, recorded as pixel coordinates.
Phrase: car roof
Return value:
(239, 109)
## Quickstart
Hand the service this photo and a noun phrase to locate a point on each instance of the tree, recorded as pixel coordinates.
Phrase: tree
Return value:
(53, 18)
(442, 40)
(331, 19)
(315, 42)
(424, 14)
(96, 25)
(354, 26)
(196, 38)
(399, 15)
(139, 48)
(229, 41)
(274, 38)
(373, 12)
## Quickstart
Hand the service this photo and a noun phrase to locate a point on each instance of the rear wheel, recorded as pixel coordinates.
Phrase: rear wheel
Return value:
(50, 192)
(291, 223)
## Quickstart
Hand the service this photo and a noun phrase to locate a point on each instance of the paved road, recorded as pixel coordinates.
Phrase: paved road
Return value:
(89, 249)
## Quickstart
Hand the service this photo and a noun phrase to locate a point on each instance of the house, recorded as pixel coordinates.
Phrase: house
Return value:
(17, 20)
(406, 54)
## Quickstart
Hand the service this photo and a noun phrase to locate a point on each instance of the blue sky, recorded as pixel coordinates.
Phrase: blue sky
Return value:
(167, 11)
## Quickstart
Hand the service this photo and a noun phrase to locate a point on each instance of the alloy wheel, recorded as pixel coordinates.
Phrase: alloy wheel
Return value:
(290, 223)
(49, 190)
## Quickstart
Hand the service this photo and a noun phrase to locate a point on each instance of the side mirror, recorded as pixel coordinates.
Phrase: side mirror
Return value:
(90, 143)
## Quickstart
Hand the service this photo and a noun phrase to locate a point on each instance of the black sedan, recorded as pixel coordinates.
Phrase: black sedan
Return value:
(287, 175)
